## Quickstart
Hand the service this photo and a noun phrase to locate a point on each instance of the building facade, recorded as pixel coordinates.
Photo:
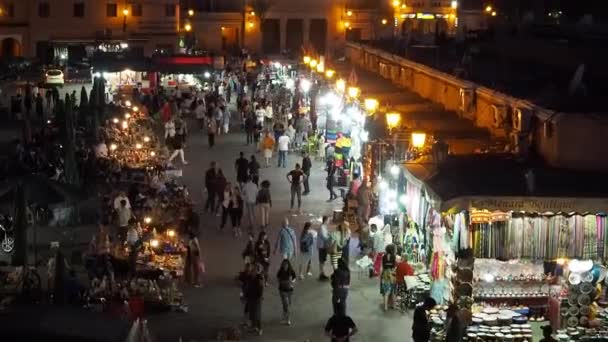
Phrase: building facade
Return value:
(275, 26)
(63, 28)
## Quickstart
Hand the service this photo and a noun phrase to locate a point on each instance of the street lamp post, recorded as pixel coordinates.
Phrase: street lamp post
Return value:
(125, 13)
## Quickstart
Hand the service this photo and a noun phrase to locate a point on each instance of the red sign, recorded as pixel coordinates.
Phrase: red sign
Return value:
(184, 60)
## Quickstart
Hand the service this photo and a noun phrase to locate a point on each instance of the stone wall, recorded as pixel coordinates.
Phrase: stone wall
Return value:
(563, 140)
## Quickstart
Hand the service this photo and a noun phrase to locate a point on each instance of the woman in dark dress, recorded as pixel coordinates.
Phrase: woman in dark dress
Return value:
(262, 253)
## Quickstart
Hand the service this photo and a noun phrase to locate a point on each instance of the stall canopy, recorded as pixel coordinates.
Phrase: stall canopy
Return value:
(501, 182)
(182, 64)
(118, 64)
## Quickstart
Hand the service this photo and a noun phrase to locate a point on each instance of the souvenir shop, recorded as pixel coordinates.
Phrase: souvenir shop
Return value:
(515, 263)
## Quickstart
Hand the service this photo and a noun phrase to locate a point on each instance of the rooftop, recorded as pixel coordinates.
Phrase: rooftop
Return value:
(504, 175)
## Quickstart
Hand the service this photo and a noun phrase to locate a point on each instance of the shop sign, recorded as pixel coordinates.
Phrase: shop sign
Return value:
(532, 204)
(425, 16)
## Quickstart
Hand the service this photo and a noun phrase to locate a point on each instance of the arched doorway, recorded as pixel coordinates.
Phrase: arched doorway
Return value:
(407, 27)
(442, 27)
(10, 47)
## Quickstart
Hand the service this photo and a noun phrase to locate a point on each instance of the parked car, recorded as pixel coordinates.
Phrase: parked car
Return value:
(54, 76)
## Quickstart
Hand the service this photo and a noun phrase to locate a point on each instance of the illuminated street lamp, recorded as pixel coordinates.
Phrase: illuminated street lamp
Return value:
(250, 24)
(320, 68)
(188, 27)
(488, 9)
(396, 3)
(341, 85)
(493, 13)
(190, 12)
(454, 4)
(353, 92)
(313, 63)
(306, 59)
(418, 139)
(349, 13)
(392, 120)
(371, 105)
(125, 13)
(384, 21)
(329, 73)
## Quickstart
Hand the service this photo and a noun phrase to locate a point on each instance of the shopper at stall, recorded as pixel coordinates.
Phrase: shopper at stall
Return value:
(340, 284)
(306, 167)
(387, 279)
(340, 327)
(286, 277)
(123, 216)
(323, 245)
(296, 177)
(307, 240)
(210, 180)
(264, 202)
(250, 192)
(169, 131)
(283, 142)
(267, 147)
(286, 242)
(194, 263)
(454, 327)
(421, 327)
(236, 211)
(262, 253)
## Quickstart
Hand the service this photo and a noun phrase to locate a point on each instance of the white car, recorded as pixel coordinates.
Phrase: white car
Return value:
(54, 76)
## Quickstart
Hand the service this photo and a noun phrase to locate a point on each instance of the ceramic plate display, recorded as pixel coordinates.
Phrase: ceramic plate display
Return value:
(587, 277)
(490, 310)
(564, 311)
(584, 310)
(574, 278)
(584, 300)
(586, 288)
(572, 321)
(573, 298)
(584, 321)
(573, 311)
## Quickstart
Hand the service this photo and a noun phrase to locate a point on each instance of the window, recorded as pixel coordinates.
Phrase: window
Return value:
(44, 10)
(136, 10)
(111, 10)
(170, 10)
(79, 9)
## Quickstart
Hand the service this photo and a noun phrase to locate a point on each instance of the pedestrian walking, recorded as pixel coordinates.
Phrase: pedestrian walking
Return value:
(250, 193)
(323, 244)
(211, 131)
(178, 142)
(245, 278)
(283, 143)
(321, 148)
(286, 278)
(306, 167)
(220, 187)
(339, 239)
(250, 128)
(331, 180)
(236, 211)
(267, 147)
(210, 180)
(219, 115)
(286, 241)
(255, 297)
(225, 203)
(262, 253)
(249, 251)
(295, 177)
(199, 113)
(388, 280)
(340, 328)
(307, 241)
(264, 202)
(226, 119)
(254, 170)
(340, 284)
(241, 166)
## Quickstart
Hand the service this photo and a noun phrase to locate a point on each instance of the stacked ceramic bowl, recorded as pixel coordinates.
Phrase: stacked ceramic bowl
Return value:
(510, 333)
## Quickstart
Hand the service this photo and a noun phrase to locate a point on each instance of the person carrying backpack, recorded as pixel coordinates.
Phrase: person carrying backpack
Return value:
(306, 245)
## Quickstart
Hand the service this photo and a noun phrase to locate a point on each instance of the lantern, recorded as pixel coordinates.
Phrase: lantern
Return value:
(418, 139)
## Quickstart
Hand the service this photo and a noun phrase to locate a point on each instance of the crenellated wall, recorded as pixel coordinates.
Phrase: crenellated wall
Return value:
(568, 140)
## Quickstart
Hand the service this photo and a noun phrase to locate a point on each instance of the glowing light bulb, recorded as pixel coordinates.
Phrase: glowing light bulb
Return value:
(147, 219)
(154, 243)
(138, 146)
(115, 120)
(146, 139)
(113, 147)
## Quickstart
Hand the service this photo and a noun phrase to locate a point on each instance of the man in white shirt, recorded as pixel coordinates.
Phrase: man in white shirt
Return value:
(124, 215)
(250, 191)
(260, 113)
(121, 196)
(283, 143)
(101, 150)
